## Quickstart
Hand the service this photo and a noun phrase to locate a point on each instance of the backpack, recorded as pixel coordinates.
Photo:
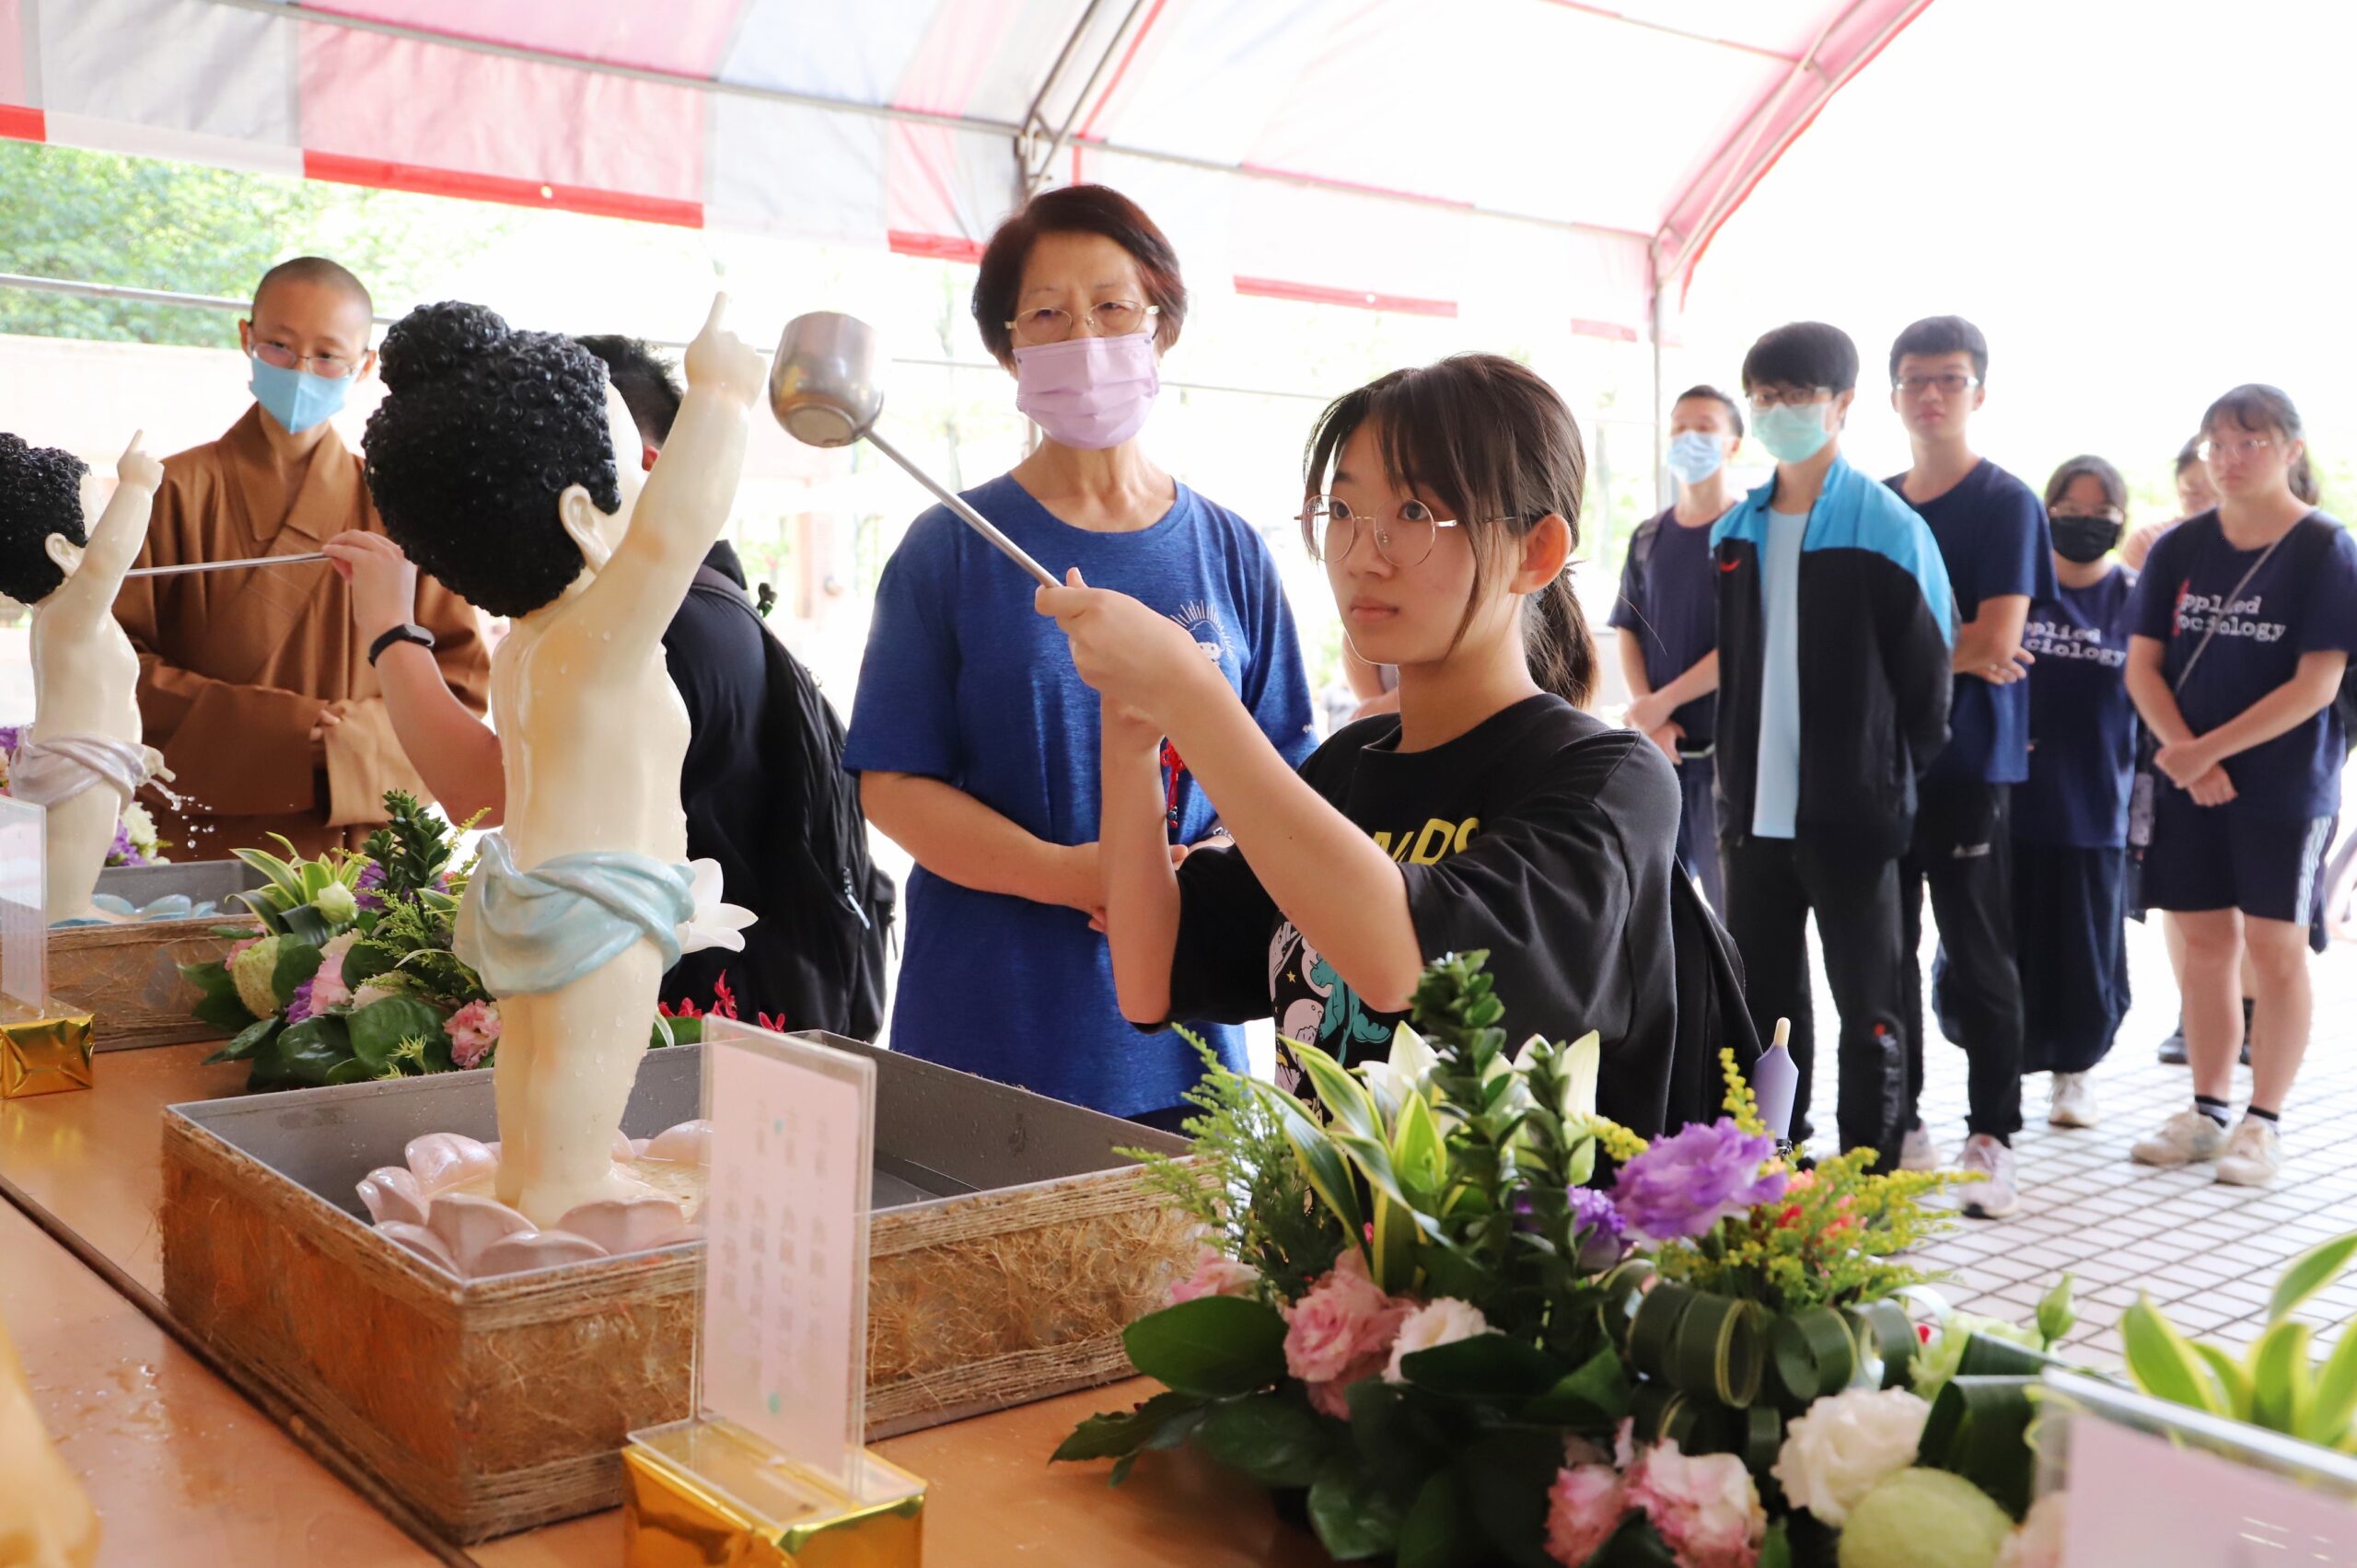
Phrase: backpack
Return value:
(1712, 1015)
(835, 908)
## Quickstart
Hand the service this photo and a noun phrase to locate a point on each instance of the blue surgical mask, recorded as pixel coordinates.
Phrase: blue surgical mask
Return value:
(1792, 433)
(1695, 455)
(296, 398)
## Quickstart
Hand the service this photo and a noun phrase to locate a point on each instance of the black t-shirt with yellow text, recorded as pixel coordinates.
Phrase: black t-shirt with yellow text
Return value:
(1542, 835)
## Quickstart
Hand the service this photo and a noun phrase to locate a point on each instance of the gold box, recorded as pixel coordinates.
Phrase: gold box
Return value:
(44, 1056)
(699, 1494)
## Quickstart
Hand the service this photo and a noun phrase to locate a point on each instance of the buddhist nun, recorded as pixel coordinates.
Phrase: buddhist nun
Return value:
(254, 683)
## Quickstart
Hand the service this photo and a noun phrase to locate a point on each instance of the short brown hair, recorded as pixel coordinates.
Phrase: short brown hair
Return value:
(1076, 209)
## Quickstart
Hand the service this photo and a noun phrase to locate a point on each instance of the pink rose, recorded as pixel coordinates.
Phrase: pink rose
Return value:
(328, 989)
(1340, 1332)
(473, 1031)
(238, 947)
(1584, 1507)
(1215, 1274)
(1704, 1505)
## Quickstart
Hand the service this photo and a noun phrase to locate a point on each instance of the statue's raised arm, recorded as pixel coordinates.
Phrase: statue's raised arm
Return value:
(82, 757)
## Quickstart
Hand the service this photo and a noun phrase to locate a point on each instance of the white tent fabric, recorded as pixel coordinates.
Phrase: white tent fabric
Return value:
(1372, 151)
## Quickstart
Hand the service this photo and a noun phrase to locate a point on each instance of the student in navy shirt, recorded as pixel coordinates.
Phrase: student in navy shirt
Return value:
(2070, 816)
(1992, 533)
(975, 742)
(2245, 620)
(1669, 620)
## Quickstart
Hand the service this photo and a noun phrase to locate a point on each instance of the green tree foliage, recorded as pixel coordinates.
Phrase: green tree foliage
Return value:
(144, 222)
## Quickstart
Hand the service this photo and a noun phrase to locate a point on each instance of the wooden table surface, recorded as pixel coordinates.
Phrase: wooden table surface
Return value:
(185, 1472)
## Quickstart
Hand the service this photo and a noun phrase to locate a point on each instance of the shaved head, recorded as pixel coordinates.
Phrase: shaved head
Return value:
(318, 273)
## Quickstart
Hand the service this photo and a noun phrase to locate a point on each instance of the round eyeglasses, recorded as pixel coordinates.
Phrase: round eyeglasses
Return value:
(1330, 528)
(1109, 318)
(2213, 450)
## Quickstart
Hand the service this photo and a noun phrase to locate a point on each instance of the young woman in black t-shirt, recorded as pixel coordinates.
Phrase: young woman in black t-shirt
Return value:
(1491, 812)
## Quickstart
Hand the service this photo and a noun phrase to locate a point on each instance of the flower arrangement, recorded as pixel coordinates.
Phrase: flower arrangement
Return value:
(1418, 1314)
(136, 842)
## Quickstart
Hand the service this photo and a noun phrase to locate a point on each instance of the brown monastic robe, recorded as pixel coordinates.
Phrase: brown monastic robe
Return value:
(237, 667)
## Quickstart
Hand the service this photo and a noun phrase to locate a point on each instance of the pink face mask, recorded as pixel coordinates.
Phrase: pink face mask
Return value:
(1088, 392)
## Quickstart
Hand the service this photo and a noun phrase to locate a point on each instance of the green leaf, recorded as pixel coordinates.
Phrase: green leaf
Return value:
(307, 1053)
(222, 1012)
(1327, 1172)
(307, 924)
(677, 1031)
(352, 1072)
(2335, 1405)
(1978, 1429)
(1636, 1544)
(2162, 1363)
(1214, 1346)
(366, 960)
(2282, 1389)
(1597, 1394)
(296, 962)
(248, 1041)
(281, 876)
(1419, 1157)
(1354, 1517)
(2233, 1379)
(1487, 1367)
(1435, 1533)
(2310, 1272)
(1275, 1438)
(387, 1021)
(1120, 1432)
(2055, 1314)
(1506, 1477)
(210, 978)
(1344, 1097)
(1776, 1551)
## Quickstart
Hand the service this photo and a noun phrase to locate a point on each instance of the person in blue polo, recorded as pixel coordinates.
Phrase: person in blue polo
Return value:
(1668, 616)
(1835, 625)
(1992, 537)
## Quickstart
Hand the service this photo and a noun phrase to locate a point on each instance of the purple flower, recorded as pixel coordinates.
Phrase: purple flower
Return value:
(11, 735)
(372, 877)
(298, 1007)
(1599, 1226)
(1682, 1186)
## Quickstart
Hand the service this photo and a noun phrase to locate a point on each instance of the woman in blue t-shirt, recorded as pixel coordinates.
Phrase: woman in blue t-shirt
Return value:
(976, 744)
(2070, 816)
(2245, 619)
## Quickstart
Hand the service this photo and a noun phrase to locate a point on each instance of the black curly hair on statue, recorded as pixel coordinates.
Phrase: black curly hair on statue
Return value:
(482, 427)
(40, 493)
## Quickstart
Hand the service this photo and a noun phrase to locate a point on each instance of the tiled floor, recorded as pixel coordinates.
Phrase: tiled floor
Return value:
(2209, 1254)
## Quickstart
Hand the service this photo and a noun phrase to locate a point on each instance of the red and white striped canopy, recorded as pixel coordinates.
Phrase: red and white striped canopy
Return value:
(1377, 152)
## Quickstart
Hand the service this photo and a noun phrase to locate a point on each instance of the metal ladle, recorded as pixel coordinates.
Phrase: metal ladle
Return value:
(823, 389)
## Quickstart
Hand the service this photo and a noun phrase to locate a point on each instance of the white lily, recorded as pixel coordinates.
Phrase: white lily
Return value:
(714, 923)
(1407, 1071)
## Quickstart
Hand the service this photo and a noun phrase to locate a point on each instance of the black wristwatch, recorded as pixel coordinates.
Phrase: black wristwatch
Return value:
(410, 632)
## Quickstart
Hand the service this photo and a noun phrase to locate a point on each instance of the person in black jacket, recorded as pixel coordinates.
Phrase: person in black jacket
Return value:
(749, 782)
(1835, 622)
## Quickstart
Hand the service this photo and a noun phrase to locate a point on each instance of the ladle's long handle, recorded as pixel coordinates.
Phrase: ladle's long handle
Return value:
(972, 519)
(223, 566)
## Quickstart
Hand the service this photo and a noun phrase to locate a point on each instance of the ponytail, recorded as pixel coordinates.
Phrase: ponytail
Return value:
(2303, 478)
(1555, 636)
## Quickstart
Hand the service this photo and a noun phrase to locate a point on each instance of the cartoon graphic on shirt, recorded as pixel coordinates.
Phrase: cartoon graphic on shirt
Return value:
(1310, 1001)
(1313, 1005)
(1200, 619)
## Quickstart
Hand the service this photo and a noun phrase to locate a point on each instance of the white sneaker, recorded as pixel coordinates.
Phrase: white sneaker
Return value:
(1994, 1196)
(1917, 1152)
(2254, 1154)
(2184, 1138)
(2074, 1104)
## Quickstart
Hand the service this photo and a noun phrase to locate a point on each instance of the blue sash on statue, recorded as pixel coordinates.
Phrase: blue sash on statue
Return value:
(528, 931)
